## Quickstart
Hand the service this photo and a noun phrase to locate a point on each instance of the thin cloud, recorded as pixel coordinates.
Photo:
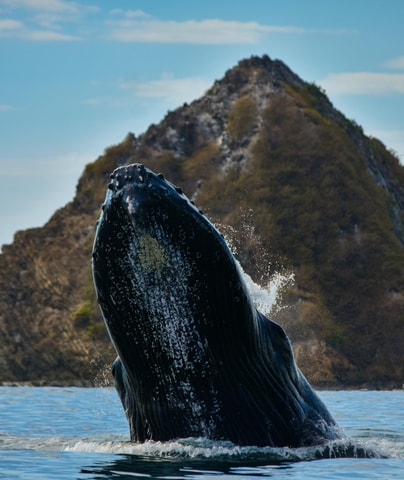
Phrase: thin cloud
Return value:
(129, 13)
(45, 5)
(109, 102)
(46, 22)
(203, 32)
(364, 83)
(48, 36)
(48, 5)
(17, 30)
(53, 20)
(6, 108)
(172, 90)
(208, 32)
(395, 63)
(8, 25)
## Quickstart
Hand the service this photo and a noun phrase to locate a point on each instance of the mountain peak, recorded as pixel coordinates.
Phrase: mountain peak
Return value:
(257, 67)
(192, 126)
(303, 188)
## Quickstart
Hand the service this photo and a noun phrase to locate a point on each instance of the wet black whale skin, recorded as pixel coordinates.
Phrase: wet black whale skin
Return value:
(195, 357)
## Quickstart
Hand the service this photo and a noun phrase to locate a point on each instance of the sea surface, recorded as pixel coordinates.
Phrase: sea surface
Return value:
(81, 433)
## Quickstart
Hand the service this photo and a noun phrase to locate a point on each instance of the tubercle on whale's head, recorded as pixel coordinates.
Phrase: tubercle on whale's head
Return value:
(148, 202)
(135, 181)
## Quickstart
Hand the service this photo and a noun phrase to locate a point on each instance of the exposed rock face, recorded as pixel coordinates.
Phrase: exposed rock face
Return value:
(43, 276)
(261, 147)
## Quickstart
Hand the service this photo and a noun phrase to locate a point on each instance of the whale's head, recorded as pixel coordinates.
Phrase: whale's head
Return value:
(155, 249)
(168, 286)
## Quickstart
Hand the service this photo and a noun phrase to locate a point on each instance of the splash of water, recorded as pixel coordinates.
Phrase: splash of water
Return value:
(268, 298)
(205, 448)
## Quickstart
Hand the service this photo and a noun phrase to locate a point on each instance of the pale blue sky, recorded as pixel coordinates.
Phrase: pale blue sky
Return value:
(77, 76)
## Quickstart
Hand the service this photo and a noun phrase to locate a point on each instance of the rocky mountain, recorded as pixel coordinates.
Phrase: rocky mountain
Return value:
(297, 187)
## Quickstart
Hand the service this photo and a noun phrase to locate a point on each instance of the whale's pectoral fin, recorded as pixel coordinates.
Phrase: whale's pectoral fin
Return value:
(118, 372)
(317, 423)
(125, 390)
(276, 343)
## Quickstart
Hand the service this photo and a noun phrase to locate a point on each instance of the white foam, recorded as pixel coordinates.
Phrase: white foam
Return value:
(267, 298)
(196, 447)
(205, 448)
(188, 448)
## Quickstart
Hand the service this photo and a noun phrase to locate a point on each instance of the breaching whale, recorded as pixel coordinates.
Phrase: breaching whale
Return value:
(195, 357)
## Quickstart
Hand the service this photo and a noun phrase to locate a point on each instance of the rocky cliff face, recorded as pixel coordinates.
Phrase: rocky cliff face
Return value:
(304, 192)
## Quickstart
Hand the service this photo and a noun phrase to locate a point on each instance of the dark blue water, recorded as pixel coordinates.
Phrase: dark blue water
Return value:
(77, 433)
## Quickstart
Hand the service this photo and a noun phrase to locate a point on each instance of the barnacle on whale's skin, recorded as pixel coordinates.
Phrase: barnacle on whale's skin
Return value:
(152, 255)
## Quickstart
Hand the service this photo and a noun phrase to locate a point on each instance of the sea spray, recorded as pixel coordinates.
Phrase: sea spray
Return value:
(274, 278)
(268, 298)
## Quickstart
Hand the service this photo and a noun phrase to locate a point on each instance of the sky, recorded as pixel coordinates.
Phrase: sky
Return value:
(76, 77)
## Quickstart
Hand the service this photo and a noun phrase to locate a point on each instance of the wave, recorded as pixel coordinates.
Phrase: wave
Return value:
(202, 448)
(205, 448)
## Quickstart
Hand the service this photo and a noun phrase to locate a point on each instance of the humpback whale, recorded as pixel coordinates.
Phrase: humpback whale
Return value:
(195, 357)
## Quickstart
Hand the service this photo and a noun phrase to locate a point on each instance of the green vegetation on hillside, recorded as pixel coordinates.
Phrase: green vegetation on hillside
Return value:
(87, 316)
(242, 117)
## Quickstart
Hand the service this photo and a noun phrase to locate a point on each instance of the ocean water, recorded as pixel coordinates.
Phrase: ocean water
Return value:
(81, 433)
